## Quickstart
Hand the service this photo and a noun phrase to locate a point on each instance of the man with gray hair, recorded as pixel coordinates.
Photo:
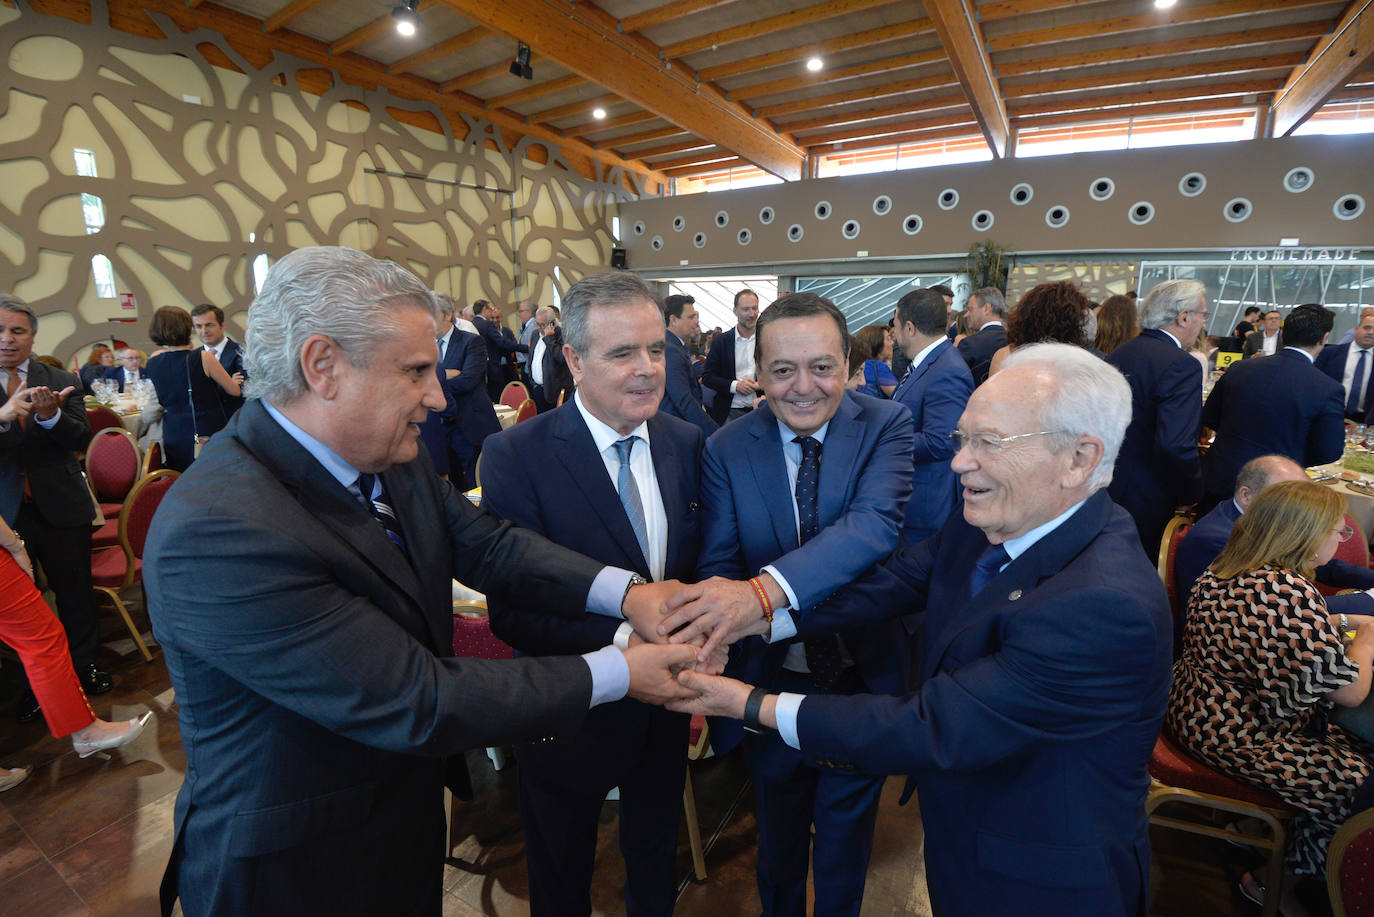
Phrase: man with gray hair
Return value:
(1159, 468)
(314, 672)
(1040, 680)
(986, 309)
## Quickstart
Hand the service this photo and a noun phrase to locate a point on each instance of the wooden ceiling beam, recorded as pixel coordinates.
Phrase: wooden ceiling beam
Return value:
(607, 124)
(873, 114)
(686, 171)
(792, 19)
(1336, 58)
(536, 90)
(863, 39)
(587, 41)
(1302, 31)
(1158, 74)
(1006, 9)
(1229, 9)
(439, 50)
(667, 13)
(480, 75)
(1243, 88)
(1121, 114)
(657, 133)
(668, 149)
(284, 15)
(792, 83)
(962, 37)
(854, 95)
(879, 130)
(374, 29)
(574, 108)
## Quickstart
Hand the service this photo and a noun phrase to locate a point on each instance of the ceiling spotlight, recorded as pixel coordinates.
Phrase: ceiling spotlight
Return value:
(521, 65)
(814, 64)
(598, 113)
(1164, 4)
(405, 17)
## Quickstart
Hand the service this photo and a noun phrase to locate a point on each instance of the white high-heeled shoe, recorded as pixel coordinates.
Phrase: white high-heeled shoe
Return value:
(136, 726)
(16, 776)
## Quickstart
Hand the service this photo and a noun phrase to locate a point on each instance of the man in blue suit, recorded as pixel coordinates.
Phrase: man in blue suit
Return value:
(682, 392)
(487, 318)
(1042, 674)
(127, 372)
(1159, 468)
(1209, 535)
(208, 322)
(986, 308)
(730, 371)
(1282, 404)
(1351, 364)
(804, 495)
(468, 418)
(935, 390)
(560, 475)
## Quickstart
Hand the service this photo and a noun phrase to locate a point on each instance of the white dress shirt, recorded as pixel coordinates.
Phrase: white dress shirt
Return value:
(1269, 343)
(536, 364)
(1352, 360)
(744, 369)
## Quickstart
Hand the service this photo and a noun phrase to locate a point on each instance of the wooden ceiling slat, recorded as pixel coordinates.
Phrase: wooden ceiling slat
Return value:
(1133, 77)
(854, 95)
(962, 37)
(1298, 32)
(989, 12)
(667, 13)
(791, 83)
(1336, 58)
(872, 114)
(284, 15)
(895, 127)
(480, 75)
(968, 128)
(792, 19)
(574, 108)
(862, 39)
(1134, 111)
(666, 149)
(547, 88)
(1246, 87)
(607, 124)
(695, 159)
(657, 133)
(584, 39)
(1212, 11)
(374, 29)
(440, 50)
(686, 171)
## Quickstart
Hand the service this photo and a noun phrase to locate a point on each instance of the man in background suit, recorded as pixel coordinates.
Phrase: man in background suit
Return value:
(803, 496)
(548, 366)
(560, 475)
(317, 691)
(487, 319)
(1042, 673)
(43, 495)
(1351, 364)
(527, 332)
(208, 323)
(935, 390)
(730, 371)
(682, 392)
(1267, 340)
(127, 372)
(1284, 405)
(986, 308)
(1159, 469)
(463, 365)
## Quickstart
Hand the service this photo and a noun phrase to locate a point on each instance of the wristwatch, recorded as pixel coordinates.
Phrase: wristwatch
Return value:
(751, 712)
(635, 580)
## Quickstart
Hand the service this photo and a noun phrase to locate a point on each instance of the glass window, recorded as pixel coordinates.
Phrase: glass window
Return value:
(260, 266)
(103, 274)
(1340, 118)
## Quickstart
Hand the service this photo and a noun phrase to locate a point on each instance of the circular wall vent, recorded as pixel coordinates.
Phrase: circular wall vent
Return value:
(1238, 210)
(850, 229)
(822, 210)
(699, 240)
(949, 199)
(766, 215)
(1348, 206)
(912, 224)
(1057, 217)
(1298, 179)
(882, 204)
(1021, 193)
(795, 232)
(745, 237)
(1101, 188)
(639, 227)
(722, 219)
(982, 220)
(1141, 212)
(656, 243)
(679, 224)
(1192, 184)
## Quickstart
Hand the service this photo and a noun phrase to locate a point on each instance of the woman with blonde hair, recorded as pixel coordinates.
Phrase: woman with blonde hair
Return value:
(1263, 663)
(1117, 323)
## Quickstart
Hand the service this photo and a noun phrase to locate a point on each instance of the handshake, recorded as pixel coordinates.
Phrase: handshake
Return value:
(682, 634)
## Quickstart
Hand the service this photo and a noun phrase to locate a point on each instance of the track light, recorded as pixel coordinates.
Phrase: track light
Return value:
(406, 18)
(521, 65)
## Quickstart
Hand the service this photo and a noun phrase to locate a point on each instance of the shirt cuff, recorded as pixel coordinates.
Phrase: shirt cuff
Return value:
(782, 581)
(782, 628)
(621, 640)
(608, 592)
(786, 714)
(734, 387)
(50, 422)
(610, 675)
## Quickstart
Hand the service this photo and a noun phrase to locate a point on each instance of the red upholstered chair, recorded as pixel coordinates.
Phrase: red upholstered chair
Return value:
(153, 459)
(1168, 552)
(102, 418)
(472, 636)
(1355, 551)
(1350, 867)
(514, 394)
(698, 742)
(1182, 780)
(113, 462)
(525, 411)
(113, 570)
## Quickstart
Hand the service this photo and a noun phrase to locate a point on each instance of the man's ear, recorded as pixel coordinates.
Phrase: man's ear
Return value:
(1087, 455)
(320, 360)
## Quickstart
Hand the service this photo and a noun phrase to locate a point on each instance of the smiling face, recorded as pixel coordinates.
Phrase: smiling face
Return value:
(129, 360)
(16, 338)
(686, 326)
(208, 329)
(802, 369)
(621, 377)
(747, 314)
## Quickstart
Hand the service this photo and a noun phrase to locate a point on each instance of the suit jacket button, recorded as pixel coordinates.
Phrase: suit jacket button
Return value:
(1015, 594)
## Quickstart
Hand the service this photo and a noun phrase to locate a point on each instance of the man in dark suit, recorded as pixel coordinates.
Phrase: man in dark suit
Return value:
(129, 370)
(43, 495)
(208, 323)
(1042, 673)
(730, 367)
(682, 392)
(1351, 364)
(1284, 405)
(489, 323)
(463, 362)
(986, 308)
(804, 495)
(1159, 469)
(1209, 535)
(314, 674)
(935, 390)
(1267, 340)
(561, 475)
(549, 372)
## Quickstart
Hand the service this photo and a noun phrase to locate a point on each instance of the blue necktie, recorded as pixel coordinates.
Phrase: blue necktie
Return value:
(381, 509)
(1352, 401)
(440, 342)
(986, 567)
(823, 655)
(629, 495)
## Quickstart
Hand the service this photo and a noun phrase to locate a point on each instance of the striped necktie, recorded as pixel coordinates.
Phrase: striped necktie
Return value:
(823, 656)
(629, 495)
(381, 509)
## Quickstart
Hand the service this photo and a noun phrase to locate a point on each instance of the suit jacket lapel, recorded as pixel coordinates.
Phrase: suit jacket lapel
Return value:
(414, 505)
(578, 454)
(668, 465)
(839, 458)
(770, 474)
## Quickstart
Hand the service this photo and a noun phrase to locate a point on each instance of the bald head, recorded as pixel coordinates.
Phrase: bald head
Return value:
(1259, 473)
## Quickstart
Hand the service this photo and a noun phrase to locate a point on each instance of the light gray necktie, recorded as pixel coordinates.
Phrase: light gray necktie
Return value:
(629, 494)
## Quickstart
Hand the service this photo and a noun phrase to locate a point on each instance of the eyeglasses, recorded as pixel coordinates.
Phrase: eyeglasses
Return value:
(991, 443)
(1345, 533)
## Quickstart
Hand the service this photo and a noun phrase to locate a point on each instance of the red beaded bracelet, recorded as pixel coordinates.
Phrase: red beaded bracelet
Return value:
(763, 599)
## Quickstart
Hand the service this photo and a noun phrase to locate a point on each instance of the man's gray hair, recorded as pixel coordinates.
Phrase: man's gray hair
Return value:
(345, 295)
(548, 311)
(619, 288)
(11, 303)
(1091, 398)
(1166, 301)
(991, 296)
(443, 303)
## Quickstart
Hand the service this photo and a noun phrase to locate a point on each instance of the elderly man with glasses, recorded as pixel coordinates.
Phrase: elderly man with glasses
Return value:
(1040, 678)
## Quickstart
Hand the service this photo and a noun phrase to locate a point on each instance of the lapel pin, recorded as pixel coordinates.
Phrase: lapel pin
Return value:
(1015, 594)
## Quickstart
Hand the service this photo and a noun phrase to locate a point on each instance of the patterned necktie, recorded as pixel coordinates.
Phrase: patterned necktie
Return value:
(823, 655)
(986, 567)
(381, 509)
(1352, 402)
(440, 342)
(629, 495)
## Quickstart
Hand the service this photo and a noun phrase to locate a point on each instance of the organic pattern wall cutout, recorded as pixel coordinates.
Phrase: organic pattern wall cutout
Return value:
(1098, 279)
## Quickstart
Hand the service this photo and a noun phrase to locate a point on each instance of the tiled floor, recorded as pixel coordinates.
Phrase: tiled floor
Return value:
(90, 837)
